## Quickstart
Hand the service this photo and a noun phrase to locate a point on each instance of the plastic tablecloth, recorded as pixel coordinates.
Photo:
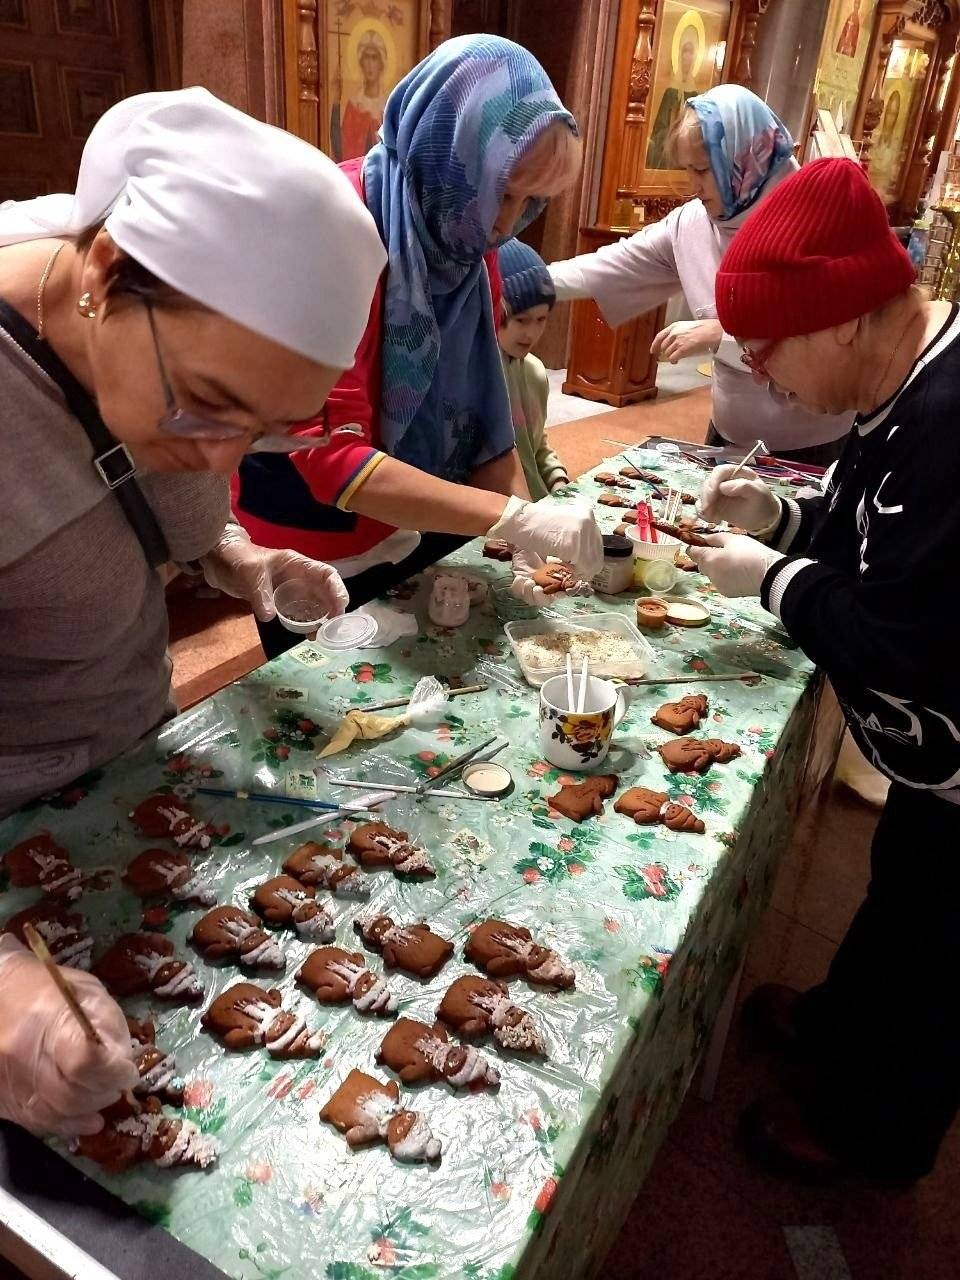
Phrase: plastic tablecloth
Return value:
(536, 1175)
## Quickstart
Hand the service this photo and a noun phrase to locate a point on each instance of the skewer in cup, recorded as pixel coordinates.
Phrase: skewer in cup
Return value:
(570, 699)
(584, 676)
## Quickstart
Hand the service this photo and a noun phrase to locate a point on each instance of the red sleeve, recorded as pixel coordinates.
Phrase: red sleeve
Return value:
(335, 472)
(492, 259)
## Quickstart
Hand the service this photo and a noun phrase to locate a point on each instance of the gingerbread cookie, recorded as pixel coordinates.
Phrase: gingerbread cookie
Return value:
(147, 962)
(552, 579)
(505, 950)
(696, 755)
(65, 933)
(648, 477)
(475, 1006)
(160, 872)
(374, 844)
(287, 903)
(246, 1016)
(614, 500)
(611, 480)
(164, 816)
(227, 933)
(683, 716)
(136, 1133)
(498, 549)
(682, 533)
(645, 806)
(40, 862)
(414, 948)
(581, 800)
(323, 865)
(686, 565)
(366, 1110)
(158, 1070)
(336, 976)
(418, 1054)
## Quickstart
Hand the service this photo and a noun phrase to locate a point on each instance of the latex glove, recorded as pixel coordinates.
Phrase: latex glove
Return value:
(569, 533)
(686, 338)
(52, 1079)
(746, 501)
(735, 563)
(524, 588)
(242, 569)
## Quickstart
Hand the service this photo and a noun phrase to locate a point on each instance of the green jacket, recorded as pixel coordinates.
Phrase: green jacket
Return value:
(528, 387)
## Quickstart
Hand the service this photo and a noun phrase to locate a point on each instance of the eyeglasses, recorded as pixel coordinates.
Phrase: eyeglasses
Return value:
(191, 426)
(756, 361)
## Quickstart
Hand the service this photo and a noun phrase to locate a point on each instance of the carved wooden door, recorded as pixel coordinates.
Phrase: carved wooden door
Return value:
(62, 63)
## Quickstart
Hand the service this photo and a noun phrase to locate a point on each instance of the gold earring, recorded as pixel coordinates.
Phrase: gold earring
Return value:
(85, 307)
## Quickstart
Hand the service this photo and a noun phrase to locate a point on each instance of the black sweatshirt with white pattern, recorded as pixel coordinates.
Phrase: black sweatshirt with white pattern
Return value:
(868, 588)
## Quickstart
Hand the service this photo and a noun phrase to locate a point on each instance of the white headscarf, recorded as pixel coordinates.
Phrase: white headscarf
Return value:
(244, 218)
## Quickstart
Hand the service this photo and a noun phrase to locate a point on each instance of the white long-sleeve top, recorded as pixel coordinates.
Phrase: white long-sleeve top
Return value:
(681, 254)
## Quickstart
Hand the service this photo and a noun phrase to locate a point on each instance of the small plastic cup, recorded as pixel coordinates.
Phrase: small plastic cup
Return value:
(298, 608)
(654, 567)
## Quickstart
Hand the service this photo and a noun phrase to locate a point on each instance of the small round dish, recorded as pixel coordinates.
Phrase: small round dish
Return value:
(297, 608)
(486, 778)
(687, 613)
(349, 631)
(651, 613)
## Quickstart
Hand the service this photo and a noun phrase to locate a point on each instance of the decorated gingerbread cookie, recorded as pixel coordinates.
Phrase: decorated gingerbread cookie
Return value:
(614, 500)
(645, 806)
(475, 1006)
(683, 716)
(286, 903)
(140, 1132)
(611, 480)
(158, 1069)
(40, 862)
(374, 844)
(696, 755)
(648, 477)
(323, 866)
(246, 1016)
(159, 873)
(418, 1053)
(165, 817)
(227, 933)
(147, 962)
(65, 932)
(581, 800)
(336, 976)
(414, 948)
(553, 579)
(366, 1110)
(507, 950)
(498, 549)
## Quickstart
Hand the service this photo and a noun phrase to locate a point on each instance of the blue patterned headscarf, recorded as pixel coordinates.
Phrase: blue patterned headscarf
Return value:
(453, 130)
(745, 141)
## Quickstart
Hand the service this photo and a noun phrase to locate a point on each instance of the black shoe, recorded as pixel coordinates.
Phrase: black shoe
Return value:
(776, 1135)
(770, 1013)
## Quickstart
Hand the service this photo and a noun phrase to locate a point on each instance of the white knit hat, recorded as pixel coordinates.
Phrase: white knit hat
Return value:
(242, 217)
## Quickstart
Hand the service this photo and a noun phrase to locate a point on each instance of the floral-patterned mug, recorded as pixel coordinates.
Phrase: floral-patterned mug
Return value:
(579, 739)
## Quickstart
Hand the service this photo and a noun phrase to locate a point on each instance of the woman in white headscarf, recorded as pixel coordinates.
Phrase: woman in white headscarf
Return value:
(144, 348)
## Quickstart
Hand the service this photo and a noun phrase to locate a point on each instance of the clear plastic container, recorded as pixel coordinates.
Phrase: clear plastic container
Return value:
(637, 663)
(298, 608)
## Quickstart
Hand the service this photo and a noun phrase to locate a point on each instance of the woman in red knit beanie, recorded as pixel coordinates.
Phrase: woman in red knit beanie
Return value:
(820, 295)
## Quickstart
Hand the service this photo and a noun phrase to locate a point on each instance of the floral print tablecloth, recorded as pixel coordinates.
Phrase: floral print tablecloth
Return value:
(655, 924)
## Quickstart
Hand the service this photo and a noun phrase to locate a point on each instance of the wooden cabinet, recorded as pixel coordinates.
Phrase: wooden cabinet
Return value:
(611, 365)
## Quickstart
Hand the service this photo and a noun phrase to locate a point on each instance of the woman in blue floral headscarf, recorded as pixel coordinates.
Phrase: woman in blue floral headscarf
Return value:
(474, 141)
(735, 152)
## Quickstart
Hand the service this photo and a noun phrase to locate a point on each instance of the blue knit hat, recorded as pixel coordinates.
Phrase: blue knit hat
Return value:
(526, 280)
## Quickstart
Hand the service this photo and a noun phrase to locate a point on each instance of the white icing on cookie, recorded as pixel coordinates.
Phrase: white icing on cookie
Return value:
(551, 968)
(476, 1068)
(189, 1145)
(265, 953)
(419, 1143)
(377, 999)
(310, 918)
(66, 882)
(183, 982)
(76, 954)
(406, 858)
(523, 1035)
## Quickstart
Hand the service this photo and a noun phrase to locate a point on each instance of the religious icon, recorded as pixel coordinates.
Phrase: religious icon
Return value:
(370, 46)
(687, 53)
(850, 34)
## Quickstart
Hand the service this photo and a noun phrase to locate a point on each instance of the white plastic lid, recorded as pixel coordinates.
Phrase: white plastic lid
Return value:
(349, 631)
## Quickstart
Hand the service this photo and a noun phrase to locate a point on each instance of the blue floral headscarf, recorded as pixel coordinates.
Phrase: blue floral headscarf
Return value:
(453, 130)
(745, 141)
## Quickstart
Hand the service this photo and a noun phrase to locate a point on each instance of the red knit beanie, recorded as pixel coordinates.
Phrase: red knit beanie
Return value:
(818, 251)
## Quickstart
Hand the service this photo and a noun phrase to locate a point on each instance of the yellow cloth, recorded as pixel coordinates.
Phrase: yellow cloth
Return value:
(361, 724)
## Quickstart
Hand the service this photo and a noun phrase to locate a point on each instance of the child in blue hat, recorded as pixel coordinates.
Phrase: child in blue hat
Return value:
(528, 298)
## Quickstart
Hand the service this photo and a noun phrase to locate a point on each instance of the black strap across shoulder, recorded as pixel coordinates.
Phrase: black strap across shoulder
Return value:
(111, 459)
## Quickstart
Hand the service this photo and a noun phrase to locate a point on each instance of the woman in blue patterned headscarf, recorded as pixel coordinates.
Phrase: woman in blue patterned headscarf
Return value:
(455, 131)
(474, 140)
